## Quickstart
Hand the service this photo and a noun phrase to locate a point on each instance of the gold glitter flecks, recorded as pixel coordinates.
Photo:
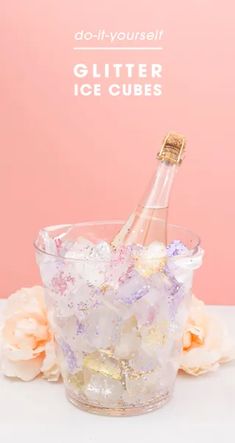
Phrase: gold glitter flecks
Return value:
(103, 364)
(156, 335)
(162, 265)
(77, 379)
(124, 365)
(104, 288)
(147, 268)
(128, 371)
(107, 352)
(136, 375)
(142, 388)
(124, 371)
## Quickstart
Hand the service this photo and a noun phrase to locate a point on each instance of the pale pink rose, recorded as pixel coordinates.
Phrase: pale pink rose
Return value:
(27, 347)
(206, 341)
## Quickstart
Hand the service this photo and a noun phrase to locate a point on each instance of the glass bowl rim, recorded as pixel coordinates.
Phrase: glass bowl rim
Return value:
(192, 250)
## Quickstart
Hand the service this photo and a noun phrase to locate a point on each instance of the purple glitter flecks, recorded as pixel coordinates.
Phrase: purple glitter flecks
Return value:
(176, 292)
(80, 328)
(175, 248)
(69, 356)
(140, 293)
(132, 298)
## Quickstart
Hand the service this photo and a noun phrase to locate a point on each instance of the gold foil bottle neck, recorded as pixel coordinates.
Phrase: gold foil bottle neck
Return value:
(172, 149)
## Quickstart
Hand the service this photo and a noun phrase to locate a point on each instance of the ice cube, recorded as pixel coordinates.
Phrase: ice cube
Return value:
(175, 248)
(141, 388)
(66, 328)
(78, 249)
(103, 391)
(117, 272)
(103, 362)
(145, 312)
(151, 259)
(91, 260)
(145, 361)
(102, 251)
(84, 297)
(183, 266)
(129, 339)
(73, 331)
(156, 334)
(156, 342)
(120, 266)
(102, 327)
(154, 303)
(127, 345)
(75, 380)
(176, 290)
(155, 250)
(85, 249)
(93, 272)
(132, 289)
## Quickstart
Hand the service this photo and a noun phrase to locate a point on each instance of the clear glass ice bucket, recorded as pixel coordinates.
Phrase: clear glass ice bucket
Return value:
(118, 330)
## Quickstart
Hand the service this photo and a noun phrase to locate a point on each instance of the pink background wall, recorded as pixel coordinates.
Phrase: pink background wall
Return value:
(66, 159)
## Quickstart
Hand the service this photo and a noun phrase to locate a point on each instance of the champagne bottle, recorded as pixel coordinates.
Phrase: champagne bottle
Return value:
(148, 223)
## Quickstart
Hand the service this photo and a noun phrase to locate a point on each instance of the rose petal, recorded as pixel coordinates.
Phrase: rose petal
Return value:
(206, 341)
(50, 368)
(26, 300)
(199, 360)
(16, 354)
(25, 335)
(25, 370)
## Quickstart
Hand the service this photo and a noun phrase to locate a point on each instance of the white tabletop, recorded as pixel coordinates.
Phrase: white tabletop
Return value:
(201, 410)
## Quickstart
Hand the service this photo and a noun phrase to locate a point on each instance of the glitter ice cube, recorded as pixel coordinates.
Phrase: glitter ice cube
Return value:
(102, 390)
(84, 297)
(175, 248)
(127, 345)
(91, 261)
(104, 363)
(141, 388)
(151, 259)
(143, 361)
(92, 272)
(103, 251)
(102, 327)
(133, 289)
(73, 332)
